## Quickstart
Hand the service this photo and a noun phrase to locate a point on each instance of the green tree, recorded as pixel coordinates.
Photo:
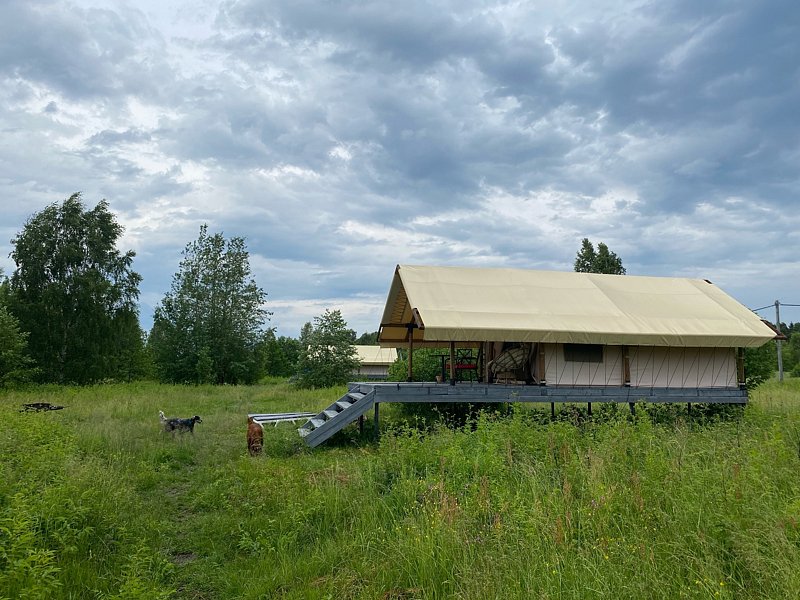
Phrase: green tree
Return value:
(280, 354)
(368, 339)
(75, 293)
(760, 364)
(16, 365)
(601, 261)
(426, 364)
(327, 355)
(209, 327)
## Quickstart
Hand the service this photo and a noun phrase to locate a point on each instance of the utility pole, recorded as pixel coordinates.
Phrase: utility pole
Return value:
(778, 342)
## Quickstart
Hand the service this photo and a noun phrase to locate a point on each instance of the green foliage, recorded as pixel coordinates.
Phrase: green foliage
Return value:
(760, 364)
(16, 365)
(367, 339)
(327, 355)
(75, 293)
(280, 355)
(426, 365)
(102, 505)
(601, 261)
(208, 327)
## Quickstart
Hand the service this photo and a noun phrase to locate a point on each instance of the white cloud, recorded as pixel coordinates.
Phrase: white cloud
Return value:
(342, 141)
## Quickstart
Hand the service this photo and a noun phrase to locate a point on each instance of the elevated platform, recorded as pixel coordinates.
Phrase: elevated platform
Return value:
(362, 396)
(495, 392)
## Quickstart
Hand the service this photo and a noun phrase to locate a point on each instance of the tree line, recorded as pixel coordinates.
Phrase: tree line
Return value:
(69, 312)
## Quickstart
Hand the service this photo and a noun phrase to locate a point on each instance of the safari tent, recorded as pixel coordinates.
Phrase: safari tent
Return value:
(546, 336)
(375, 361)
(575, 329)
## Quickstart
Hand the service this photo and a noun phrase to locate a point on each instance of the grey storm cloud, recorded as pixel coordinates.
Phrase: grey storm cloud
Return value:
(343, 138)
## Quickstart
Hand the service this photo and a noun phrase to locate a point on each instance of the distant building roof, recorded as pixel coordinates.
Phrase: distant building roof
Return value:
(375, 355)
(474, 305)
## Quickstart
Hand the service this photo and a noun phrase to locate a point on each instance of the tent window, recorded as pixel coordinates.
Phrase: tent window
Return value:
(583, 353)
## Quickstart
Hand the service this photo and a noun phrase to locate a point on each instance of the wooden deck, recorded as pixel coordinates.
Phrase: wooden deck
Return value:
(480, 392)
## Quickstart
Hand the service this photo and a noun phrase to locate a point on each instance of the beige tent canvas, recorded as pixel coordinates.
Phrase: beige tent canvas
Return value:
(375, 361)
(565, 328)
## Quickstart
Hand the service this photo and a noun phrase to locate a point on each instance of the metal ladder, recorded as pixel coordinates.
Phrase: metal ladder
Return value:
(342, 412)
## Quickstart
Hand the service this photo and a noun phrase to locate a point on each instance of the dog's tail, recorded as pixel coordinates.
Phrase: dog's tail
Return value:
(161, 416)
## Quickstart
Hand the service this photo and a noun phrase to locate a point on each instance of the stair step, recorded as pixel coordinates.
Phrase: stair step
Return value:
(316, 422)
(303, 431)
(343, 404)
(356, 396)
(330, 413)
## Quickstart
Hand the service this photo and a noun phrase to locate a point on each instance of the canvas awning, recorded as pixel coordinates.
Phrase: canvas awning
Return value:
(444, 304)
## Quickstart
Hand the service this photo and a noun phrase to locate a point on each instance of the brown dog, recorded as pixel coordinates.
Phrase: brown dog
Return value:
(255, 437)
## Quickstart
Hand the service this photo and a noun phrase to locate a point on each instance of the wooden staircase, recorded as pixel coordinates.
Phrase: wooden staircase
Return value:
(342, 412)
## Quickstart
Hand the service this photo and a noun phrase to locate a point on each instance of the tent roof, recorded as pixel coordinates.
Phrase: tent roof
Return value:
(375, 355)
(519, 305)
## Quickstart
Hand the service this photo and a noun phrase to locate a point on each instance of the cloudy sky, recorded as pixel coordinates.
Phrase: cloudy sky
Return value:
(342, 138)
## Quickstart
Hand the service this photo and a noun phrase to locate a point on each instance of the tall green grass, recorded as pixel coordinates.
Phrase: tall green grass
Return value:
(95, 502)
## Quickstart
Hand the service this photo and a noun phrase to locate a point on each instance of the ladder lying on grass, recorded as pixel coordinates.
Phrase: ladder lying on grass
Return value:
(275, 418)
(345, 410)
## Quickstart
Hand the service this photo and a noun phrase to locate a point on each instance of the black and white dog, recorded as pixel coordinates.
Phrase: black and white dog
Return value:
(175, 424)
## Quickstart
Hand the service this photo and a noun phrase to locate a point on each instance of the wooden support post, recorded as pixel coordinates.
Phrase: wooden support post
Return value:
(410, 376)
(540, 358)
(633, 410)
(740, 367)
(361, 425)
(590, 409)
(552, 410)
(375, 424)
(626, 367)
(487, 358)
(452, 363)
(689, 408)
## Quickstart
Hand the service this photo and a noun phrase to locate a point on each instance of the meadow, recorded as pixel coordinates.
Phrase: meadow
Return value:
(95, 502)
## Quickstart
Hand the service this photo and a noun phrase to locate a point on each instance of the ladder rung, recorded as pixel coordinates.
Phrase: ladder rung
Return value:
(330, 413)
(317, 422)
(356, 396)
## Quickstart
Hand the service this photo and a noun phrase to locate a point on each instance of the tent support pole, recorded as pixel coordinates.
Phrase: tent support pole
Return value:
(452, 363)
(410, 356)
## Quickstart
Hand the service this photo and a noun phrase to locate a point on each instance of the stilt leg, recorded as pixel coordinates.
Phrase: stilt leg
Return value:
(376, 420)
(552, 410)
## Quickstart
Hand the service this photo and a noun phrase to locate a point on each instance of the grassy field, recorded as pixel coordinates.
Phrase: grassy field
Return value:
(96, 503)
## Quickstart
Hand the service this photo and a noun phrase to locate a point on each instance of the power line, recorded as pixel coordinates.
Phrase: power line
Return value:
(763, 307)
(773, 306)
